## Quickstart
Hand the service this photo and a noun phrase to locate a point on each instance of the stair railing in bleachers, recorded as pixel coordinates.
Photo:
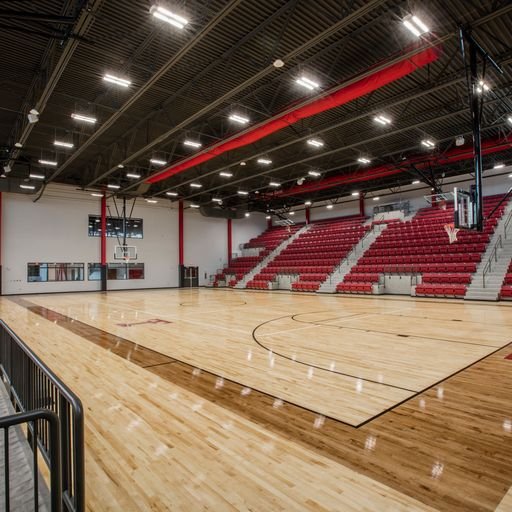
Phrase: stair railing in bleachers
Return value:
(33, 386)
(493, 258)
(507, 224)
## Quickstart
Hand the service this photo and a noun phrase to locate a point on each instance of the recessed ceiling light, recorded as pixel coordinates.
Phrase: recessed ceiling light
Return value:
(363, 160)
(307, 203)
(243, 193)
(50, 163)
(196, 185)
(239, 119)
(428, 143)
(84, 119)
(169, 17)
(116, 80)
(194, 206)
(226, 174)
(317, 143)
(330, 206)
(376, 198)
(133, 175)
(247, 214)
(355, 194)
(274, 184)
(307, 83)
(192, 143)
(96, 194)
(152, 201)
(315, 174)
(415, 25)
(113, 186)
(382, 120)
(499, 166)
(35, 176)
(172, 194)
(264, 161)
(415, 182)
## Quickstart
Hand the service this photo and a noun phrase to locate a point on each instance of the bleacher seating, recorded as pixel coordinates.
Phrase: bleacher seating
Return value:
(266, 242)
(314, 254)
(421, 246)
(506, 289)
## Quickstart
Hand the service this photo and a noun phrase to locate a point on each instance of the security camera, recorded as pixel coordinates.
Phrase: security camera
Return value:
(300, 181)
(459, 141)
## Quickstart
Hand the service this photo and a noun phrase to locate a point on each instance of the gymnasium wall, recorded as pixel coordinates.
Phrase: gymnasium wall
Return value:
(55, 230)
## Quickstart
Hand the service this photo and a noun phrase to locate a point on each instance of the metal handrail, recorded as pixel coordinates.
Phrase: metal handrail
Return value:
(492, 256)
(31, 419)
(507, 223)
(32, 385)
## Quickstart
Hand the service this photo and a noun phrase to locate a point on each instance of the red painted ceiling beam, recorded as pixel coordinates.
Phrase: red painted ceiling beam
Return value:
(489, 146)
(340, 97)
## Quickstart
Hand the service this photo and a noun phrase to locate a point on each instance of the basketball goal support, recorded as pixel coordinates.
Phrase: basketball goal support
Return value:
(476, 50)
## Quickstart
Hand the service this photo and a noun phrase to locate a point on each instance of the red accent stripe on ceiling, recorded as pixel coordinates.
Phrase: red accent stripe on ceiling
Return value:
(340, 97)
(489, 146)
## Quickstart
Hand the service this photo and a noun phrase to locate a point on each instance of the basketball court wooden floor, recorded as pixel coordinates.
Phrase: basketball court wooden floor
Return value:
(262, 401)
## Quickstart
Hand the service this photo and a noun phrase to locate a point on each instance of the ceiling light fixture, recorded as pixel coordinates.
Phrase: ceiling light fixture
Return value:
(33, 116)
(355, 194)
(156, 161)
(330, 206)
(499, 166)
(247, 214)
(63, 144)
(226, 174)
(84, 119)
(217, 200)
(307, 203)
(363, 160)
(27, 187)
(113, 186)
(239, 119)
(194, 206)
(307, 83)
(482, 87)
(292, 213)
(376, 198)
(382, 120)
(196, 185)
(415, 182)
(133, 175)
(243, 163)
(315, 174)
(172, 194)
(274, 184)
(268, 217)
(152, 201)
(117, 80)
(168, 16)
(192, 143)
(243, 193)
(120, 166)
(428, 143)
(415, 25)
(50, 163)
(317, 143)
(96, 194)
(264, 161)
(35, 176)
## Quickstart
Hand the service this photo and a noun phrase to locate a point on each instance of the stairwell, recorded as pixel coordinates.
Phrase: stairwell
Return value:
(488, 278)
(337, 275)
(265, 261)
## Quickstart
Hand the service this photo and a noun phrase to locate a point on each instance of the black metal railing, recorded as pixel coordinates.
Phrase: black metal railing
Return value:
(32, 386)
(493, 258)
(35, 421)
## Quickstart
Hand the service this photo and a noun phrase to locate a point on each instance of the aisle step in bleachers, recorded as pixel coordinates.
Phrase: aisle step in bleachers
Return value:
(506, 289)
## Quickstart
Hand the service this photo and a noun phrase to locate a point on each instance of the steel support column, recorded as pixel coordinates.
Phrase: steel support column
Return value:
(103, 243)
(181, 250)
(230, 240)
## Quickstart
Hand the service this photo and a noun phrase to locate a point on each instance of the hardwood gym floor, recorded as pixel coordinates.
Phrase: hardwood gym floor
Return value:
(239, 400)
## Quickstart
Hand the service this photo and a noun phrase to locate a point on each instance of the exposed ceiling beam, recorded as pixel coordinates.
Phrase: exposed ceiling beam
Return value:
(233, 4)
